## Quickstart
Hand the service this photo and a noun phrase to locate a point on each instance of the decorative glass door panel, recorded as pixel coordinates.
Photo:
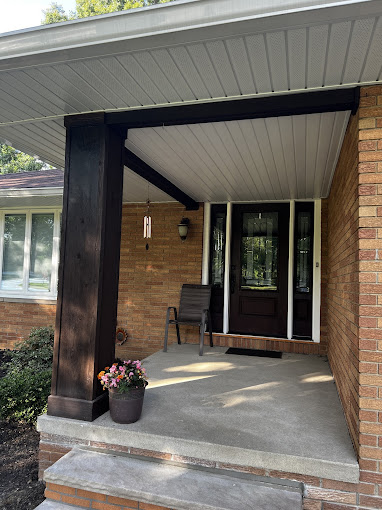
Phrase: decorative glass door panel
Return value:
(259, 251)
(259, 270)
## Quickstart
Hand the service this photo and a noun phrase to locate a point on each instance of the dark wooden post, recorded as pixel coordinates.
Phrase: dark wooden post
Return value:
(89, 266)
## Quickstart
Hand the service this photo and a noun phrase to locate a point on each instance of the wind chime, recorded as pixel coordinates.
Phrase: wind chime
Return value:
(147, 223)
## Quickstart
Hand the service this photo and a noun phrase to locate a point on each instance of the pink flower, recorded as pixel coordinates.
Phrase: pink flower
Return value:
(113, 369)
(131, 374)
(113, 382)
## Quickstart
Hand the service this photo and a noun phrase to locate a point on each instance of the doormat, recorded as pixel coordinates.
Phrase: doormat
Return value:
(254, 352)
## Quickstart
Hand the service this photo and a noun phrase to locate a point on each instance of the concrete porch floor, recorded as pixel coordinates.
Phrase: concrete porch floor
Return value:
(275, 414)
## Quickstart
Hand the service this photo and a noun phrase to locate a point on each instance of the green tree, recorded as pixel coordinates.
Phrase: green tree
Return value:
(12, 160)
(54, 14)
(86, 8)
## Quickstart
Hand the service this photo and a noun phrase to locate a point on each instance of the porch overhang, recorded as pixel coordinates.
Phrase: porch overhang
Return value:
(182, 53)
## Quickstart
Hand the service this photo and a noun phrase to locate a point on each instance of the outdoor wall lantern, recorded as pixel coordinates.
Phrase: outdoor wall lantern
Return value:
(183, 228)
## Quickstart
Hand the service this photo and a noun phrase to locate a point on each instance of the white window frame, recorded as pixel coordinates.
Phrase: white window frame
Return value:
(26, 294)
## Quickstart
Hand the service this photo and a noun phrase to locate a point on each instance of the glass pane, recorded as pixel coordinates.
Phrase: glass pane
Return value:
(259, 251)
(13, 254)
(218, 250)
(304, 252)
(40, 271)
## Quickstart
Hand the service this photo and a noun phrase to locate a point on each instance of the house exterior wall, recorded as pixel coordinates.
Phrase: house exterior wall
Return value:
(370, 292)
(342, 276)
(354, 303)
(151, 280)
(17, 318)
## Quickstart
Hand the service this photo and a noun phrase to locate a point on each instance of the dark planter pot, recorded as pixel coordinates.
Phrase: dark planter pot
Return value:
(126, 407)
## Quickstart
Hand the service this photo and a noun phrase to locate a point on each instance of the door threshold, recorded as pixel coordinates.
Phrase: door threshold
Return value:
(268, 338)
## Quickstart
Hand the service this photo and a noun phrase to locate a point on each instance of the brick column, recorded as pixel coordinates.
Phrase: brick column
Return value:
(370, 297)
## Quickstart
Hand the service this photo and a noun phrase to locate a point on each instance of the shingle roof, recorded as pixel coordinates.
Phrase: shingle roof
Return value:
(42, 179)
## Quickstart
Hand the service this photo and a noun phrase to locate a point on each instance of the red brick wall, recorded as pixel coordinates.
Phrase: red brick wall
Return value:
(150, 280)
(17, 319)
(342, 276)
(370, 308)
(354, 289)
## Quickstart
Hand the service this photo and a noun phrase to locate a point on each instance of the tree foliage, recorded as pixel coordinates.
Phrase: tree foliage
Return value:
(12, 160)
(86, 8)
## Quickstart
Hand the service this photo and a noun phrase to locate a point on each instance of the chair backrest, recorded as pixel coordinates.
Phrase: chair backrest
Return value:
(193, 300)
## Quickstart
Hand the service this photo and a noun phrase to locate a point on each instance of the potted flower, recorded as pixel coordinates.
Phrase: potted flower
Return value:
(126, 382)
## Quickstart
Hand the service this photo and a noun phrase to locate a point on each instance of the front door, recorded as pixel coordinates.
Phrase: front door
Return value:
(259, 269)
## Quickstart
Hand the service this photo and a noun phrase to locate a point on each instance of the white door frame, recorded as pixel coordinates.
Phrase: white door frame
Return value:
(316, 298)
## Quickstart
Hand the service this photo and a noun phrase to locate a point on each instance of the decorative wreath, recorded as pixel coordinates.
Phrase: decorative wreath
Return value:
(120, 336)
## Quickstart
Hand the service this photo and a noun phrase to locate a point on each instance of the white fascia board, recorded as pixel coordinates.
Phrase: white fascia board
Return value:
(31, 192)
(172, 23)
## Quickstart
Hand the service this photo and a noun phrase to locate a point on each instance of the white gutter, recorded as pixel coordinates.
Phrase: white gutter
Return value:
(157, 25)
(31, 192)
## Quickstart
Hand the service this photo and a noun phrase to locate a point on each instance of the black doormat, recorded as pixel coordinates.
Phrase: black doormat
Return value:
(254, 352)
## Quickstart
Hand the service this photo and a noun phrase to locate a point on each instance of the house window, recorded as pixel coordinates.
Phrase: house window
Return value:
(29, 252)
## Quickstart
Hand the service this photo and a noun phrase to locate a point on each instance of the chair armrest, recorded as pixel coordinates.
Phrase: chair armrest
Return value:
(169, 312)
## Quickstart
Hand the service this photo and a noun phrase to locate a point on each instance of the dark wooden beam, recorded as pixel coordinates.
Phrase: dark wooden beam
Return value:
(89, 267)
(238, 109)
(153, 177)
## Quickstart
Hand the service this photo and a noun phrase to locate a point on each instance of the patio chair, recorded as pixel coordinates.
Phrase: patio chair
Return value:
(194, 309)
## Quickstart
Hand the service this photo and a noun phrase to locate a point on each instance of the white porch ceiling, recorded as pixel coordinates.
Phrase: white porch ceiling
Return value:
(262, 159)
(197, 51)
(312, 55)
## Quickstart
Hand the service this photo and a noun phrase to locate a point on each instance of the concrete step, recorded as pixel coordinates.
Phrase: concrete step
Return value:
(55, 505)
(169, 485)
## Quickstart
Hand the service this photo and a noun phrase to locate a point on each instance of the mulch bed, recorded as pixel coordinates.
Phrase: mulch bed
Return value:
(19, 485)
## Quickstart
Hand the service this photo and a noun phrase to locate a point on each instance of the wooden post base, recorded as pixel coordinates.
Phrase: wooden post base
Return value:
(78, 409)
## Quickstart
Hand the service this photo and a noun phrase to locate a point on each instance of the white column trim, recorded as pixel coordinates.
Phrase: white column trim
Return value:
(290, 270)
(227, 269)
(316, 311)
(206, 243)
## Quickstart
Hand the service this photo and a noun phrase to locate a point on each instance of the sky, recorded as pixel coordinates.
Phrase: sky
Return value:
(18, 14)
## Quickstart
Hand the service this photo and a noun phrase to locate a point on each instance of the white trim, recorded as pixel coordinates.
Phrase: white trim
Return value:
(290, 270)
(227, 269)
(316, 299)
(206, 243)
(316, 304)
(37, 299)
(31, 192)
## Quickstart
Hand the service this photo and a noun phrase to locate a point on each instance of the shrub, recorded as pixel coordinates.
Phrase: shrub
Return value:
(25, 388)
(35, 352)
(24, 394)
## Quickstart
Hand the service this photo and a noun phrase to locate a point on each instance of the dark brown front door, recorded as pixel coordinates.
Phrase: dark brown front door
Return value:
(259, 269)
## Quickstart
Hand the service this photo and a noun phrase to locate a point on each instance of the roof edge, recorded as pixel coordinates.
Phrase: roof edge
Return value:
(136, 24)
